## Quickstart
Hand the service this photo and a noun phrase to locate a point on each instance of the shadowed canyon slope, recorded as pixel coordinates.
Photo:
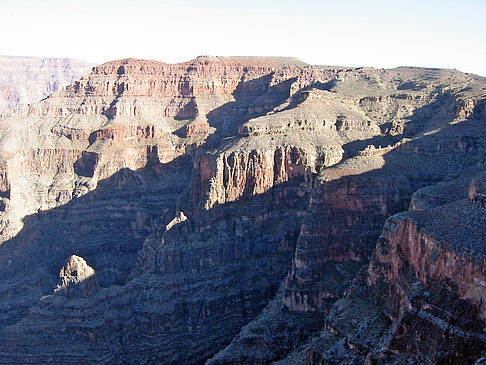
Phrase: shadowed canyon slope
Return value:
(245, 211)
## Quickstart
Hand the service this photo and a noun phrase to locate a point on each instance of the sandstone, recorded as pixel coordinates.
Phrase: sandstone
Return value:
(77, 279)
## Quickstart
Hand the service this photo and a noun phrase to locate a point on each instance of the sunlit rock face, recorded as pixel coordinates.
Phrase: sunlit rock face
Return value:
(243, 210)
(77, 278)
(26, 80)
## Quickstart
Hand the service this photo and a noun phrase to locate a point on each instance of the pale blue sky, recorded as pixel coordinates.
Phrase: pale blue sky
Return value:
(448, 34)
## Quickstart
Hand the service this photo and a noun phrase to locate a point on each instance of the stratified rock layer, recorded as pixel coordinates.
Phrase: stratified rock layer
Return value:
(434, 277)
(30, 79)
(229, 209)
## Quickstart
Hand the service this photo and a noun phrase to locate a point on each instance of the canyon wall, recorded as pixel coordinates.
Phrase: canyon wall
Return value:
(30, 79)
(430, 263)
(228, 210)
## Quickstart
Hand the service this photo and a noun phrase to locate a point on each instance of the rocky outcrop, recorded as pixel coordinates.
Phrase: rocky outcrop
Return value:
(77, 278)
(477, 191)
(342, 223)
(435, 281)
(254, 172)
(430, 277)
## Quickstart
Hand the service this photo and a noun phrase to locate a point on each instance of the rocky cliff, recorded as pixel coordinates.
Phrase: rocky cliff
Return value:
(242, 210)
(30, 79)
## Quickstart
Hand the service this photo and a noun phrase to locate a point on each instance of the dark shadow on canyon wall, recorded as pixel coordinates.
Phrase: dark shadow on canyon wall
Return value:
(425, 118)
(245, 245)
(347, 213)
(253, 99)
(110, 221)
(113, 220)
(108, 227)
(429, 128)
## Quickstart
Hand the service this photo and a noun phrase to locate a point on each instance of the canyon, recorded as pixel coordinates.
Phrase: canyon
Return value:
(245, 210)
(25, 80)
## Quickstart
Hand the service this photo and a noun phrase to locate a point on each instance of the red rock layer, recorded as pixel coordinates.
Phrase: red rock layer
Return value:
(231, 175)
(121, 133)
(433, 281)
(342, 223)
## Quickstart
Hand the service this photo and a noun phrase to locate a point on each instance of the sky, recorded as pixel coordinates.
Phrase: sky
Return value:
(382, 34)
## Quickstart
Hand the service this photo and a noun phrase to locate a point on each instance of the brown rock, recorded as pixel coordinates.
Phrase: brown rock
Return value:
(77, 278)
(30, 79)
(433, 280)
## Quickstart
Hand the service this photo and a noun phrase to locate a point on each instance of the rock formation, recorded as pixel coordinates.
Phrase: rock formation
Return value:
(30, 79)
(76, 278)
(245, 211)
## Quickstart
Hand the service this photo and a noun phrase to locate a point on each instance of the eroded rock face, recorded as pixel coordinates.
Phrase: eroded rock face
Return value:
(227, 194)
(30, 79)
(77, 278)
(342, 223)
(477, 191)
(434, 281)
